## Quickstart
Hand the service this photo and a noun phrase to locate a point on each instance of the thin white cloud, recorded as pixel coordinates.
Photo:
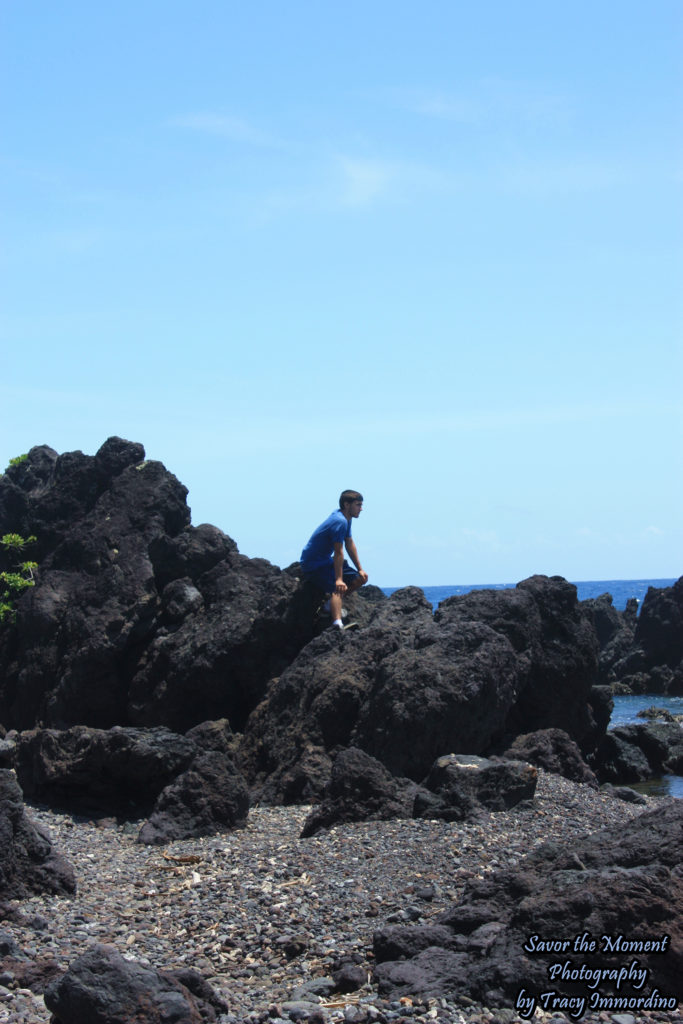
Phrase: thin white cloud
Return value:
(346, 182)
(492, 100)
(364, 181)
(225, 126)
(447, 108)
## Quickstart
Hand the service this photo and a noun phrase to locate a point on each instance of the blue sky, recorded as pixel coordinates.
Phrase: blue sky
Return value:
(429, 251)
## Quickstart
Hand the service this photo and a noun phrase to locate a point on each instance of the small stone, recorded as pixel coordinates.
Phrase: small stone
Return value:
(350, 977)
(318, 987)
(304, 1011)
(425, 892)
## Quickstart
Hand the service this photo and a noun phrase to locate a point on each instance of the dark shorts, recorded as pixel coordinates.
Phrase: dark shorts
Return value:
(324, 577)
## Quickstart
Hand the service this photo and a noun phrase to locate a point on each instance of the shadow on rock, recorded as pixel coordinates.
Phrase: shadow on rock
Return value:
(28, 862)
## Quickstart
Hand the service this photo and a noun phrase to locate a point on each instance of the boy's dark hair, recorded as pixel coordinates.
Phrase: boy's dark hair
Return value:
(346, 497)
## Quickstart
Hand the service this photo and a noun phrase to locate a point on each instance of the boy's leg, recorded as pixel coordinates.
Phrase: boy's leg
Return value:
(353, 582)
(336, 606)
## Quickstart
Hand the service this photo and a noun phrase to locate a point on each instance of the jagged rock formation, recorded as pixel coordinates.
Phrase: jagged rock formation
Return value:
(154, 670)
(621, 882)
(641, 654)
(633, 753)
(360, 789)
(614, 629)
(139, 620)
(556, 654)
(137, 617)
(458, 787)
(655, 663)
(413, 686)
(555, 751)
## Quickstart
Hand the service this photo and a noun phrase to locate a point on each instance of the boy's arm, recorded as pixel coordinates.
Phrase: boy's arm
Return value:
(353, 555)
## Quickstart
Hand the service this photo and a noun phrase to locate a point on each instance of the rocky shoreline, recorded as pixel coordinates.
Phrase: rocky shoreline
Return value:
(270, 919)
(244, 815)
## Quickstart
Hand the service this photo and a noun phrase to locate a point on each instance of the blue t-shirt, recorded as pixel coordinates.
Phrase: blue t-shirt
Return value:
(320, 548)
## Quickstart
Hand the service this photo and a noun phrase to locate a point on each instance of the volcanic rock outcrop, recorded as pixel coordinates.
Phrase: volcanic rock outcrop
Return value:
(633, 753)
(139, 620)
(641, 653)
(655, 663)
(624, 883)
(413, 686)
(137, 617)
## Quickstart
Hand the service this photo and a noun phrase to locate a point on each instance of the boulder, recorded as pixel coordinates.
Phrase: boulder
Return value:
(360, 789)
(618, 760)
(619, 885)
(554, 751)
(210, 796)
(461, 787)
(400, 689)
(659, 630)
(412, 685)
(614, 629)
(633, 753)
(101, 987)
(120, 771)
(458, 787)
(661, 714)
(28, 862)
(214, 736)
(653, 663)
(625, 793)
(556, 653)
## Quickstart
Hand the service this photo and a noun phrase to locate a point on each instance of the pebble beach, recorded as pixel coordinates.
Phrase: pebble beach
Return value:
(267, 917)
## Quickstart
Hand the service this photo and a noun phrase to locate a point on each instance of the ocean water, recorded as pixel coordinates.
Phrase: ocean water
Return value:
(621, 590)
(626, 712)
(625, 708)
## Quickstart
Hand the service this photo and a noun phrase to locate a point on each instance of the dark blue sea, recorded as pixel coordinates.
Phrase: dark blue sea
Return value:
(621, 590)
(625, 708)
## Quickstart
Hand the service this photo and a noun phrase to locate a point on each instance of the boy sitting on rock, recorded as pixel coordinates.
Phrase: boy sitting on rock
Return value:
(323, 562)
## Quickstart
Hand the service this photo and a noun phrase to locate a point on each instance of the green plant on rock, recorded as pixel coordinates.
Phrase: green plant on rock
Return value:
(17, 579)
(18, 459)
